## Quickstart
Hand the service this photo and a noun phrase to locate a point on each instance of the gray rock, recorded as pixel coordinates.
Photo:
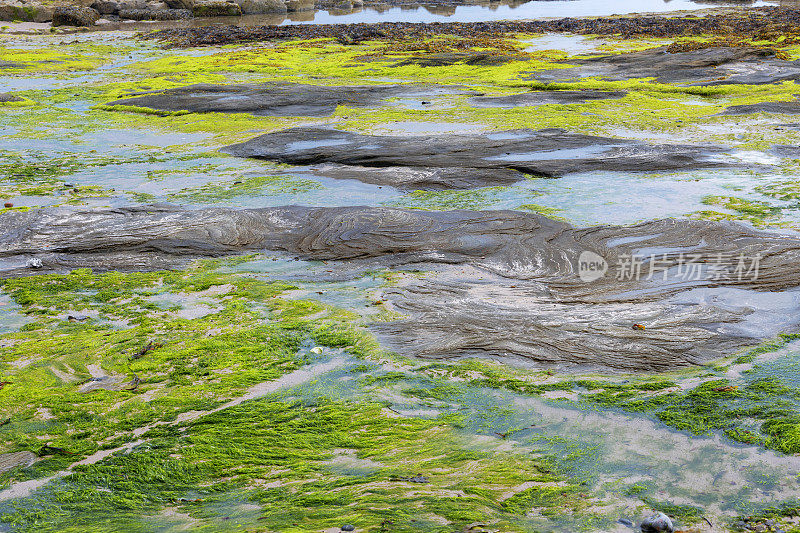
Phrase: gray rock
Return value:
(787, 108)
(544, 97)
(75, 16)
(658, 523)
(12, 10)
(546, 153)
(8, 97)
(216, 8)
(258, 7)
(10, 461)
(707, 66)
(538, 309)
(150, 14)
(300, 5)
(348, 527)
(106, 7)
(278, 99)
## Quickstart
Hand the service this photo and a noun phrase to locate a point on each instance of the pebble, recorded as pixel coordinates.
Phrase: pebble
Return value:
(625, 522)
(658, 523)
(348, 527)
(8, 205)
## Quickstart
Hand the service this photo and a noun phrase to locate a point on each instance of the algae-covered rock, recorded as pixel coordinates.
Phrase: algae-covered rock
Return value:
(25, 11)
(216, 8)
(8, 97)
(257, 7)
(300, 5)
(75, 16)
(154, 14)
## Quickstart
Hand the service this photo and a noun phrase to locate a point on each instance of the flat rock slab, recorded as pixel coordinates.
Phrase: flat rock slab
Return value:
(707, 66)
(422, 178)
(785, 108)
(500, 284)
(544, 97)
(278, 99)
(549, 152)
(10, 461)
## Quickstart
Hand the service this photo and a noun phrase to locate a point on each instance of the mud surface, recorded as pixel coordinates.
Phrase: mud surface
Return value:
(276, 99)
(501, 272)
(544, 97)
(551, 152)
(706, 66)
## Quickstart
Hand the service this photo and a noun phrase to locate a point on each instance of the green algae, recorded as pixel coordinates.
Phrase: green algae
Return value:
(246, 186)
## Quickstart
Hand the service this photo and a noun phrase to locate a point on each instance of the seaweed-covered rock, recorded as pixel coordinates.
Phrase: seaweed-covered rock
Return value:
(154, 14)
(25, 11)
(8, 97)
(75, 16)
(216, 8)
(257, 7)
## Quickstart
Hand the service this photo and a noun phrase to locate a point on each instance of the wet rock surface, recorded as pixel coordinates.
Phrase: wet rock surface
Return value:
(706, 66)
(787, 108)
(551, 152)
(276, 99)
(423, 178)
(544, 97)
(10, 461)
(75, 16)
(658, 523)
(506, 284)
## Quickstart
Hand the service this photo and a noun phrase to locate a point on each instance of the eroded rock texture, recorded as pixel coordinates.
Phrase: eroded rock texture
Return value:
(549, 152)
(276, 99)
(503, 284)
(706, 66)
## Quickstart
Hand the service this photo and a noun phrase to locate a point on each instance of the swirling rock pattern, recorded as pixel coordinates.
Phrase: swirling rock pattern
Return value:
(547, 152)
(277, 99)
(502, 284)
(706, 66)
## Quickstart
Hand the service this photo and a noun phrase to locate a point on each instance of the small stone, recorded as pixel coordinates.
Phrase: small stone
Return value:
(33, 262)
(316, 349)
(348, 527)
(658, 523)
(8, 205)
(625, 522)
